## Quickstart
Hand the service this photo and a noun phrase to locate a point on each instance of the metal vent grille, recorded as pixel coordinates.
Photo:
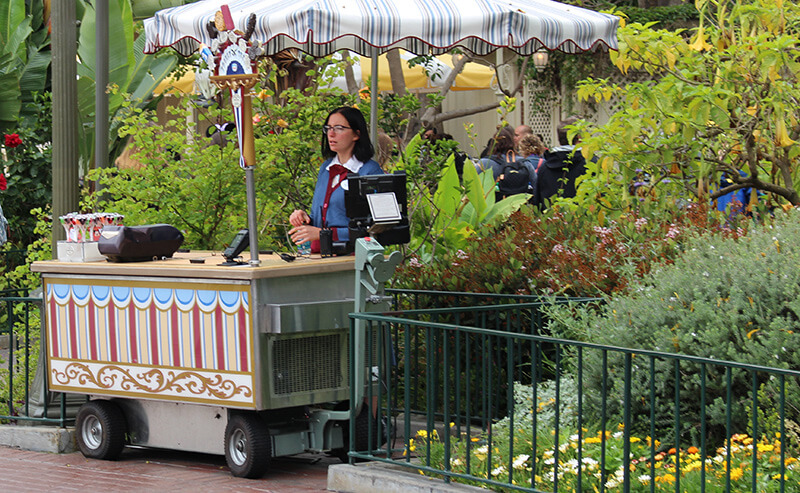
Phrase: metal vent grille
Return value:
(307, 364)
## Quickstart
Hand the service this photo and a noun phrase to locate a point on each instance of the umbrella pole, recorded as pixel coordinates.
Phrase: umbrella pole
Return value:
(373, 98)
(249, 148)
(243, 83)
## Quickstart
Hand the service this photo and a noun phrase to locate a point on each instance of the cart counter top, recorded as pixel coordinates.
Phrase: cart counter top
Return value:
(202, 264)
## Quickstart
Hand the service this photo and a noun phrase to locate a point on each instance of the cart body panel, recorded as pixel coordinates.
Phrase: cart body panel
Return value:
(244, 337)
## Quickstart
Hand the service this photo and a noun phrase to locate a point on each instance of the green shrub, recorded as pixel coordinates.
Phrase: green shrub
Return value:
(734, 299)
(565, 251)
(28, 169)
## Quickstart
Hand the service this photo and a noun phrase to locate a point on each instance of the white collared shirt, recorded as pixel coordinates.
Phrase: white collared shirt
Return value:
(352, 164)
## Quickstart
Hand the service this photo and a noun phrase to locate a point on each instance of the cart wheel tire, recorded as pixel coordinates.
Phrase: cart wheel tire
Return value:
(362, 436)
(100, 430)
(248, 448)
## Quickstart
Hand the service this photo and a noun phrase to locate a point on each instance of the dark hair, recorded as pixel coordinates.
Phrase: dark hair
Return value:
(363, 150)
(562, 129)
(503, 141)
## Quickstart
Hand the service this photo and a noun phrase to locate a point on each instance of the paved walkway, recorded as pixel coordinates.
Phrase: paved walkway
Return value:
(149, 470)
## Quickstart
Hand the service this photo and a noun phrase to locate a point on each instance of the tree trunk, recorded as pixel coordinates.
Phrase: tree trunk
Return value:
(395, 71)
(349, 77)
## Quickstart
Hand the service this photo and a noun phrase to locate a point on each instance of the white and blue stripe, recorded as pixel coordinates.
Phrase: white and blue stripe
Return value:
(321, 27)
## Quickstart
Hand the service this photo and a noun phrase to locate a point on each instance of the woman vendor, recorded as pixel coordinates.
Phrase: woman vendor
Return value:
(347, 149)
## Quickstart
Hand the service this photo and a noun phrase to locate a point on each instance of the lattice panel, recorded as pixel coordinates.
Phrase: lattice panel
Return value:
(601, 112)
(544, 107)
(542, 112)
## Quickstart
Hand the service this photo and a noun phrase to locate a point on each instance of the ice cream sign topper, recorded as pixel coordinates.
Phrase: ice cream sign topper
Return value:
(232, 57)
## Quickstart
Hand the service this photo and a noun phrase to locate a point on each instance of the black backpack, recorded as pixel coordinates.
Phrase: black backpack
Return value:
(514, 177)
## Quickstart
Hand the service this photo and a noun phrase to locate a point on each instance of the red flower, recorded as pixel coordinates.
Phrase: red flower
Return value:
(3, 185)
(13, 140)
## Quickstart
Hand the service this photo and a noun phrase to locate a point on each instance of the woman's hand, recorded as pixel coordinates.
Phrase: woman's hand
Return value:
(298, 218)
(305, 232)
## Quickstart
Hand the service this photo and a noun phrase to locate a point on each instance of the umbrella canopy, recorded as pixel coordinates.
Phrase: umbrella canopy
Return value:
(372, 27)
(321, 27)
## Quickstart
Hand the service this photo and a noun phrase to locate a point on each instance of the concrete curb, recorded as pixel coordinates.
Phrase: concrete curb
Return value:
(374, 476)
(38, 438)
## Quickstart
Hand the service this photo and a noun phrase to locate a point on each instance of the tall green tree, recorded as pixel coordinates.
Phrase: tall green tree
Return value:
(723, 98)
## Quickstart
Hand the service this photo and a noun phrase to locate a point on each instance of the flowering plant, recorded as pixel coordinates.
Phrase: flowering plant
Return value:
(27, 167)
(595, 459)
(13, 140)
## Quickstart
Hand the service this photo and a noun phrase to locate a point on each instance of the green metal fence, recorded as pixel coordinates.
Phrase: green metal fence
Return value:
(23, 388)
(480, 394)
(11, 258)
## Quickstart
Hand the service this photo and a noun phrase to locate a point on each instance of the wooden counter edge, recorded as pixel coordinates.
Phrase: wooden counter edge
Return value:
(179, 266)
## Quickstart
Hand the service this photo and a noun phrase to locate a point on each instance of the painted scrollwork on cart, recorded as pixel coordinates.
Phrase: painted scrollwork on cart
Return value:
(153, 381)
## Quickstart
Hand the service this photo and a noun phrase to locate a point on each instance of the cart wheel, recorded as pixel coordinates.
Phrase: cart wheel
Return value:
(101, 428)
(247, 446)
(362, 435)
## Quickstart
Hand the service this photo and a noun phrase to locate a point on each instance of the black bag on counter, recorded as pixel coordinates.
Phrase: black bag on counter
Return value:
(139, 243)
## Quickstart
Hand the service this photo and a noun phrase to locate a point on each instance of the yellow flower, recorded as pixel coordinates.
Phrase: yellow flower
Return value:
(666, 478)
(781, 135)
(700, 42)
(282, 123)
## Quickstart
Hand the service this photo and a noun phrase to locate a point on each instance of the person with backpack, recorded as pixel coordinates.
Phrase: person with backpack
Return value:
(512, 173)
(562, 166)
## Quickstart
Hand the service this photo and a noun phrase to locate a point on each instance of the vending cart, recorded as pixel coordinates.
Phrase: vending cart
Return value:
(184, 353)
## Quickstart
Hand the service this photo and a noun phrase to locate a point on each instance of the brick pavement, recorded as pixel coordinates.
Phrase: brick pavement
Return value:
(146, 470)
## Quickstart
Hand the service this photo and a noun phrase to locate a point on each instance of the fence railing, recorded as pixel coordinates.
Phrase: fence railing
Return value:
(23, 388)
(11, 258)
(481, 395)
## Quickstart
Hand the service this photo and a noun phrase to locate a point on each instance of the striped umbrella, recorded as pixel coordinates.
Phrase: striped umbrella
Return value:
(372, 27)
(321, 27)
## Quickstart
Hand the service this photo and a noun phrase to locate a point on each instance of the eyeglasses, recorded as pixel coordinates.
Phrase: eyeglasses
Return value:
(337, 129)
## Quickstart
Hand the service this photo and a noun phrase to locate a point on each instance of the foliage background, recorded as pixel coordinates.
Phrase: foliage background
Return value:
(727, 298)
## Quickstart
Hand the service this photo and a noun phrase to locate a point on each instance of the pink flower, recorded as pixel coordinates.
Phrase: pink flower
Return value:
(13, 140)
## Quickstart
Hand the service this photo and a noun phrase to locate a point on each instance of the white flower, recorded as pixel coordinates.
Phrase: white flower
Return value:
(520, 461)
(498, 470)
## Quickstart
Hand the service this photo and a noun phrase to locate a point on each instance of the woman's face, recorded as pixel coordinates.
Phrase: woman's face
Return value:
(342, 143)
